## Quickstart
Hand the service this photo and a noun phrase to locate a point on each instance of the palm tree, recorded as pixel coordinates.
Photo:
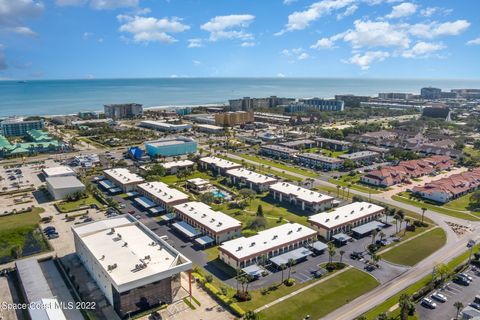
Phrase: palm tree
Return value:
(341, 252)
(376, 258)
(458, 305)
(423, 213)
(406, 306)
(374, 235)
(382, 316)
(282, 267)
(290, 265)
(382, 235)
(407, 222)
(396, 217)
(338, 191)
(250, 315)
(331, 252)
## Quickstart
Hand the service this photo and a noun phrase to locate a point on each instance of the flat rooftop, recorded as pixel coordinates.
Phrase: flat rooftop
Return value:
(133, 248)
(123, 175)
(166, 125)
(266, 240)
(318, 157)
(203, 214)
(220, 163)
(333, 141)
(251, 176)
(162, 191)
(300, 193)
(180, 163)
(64, 182)
(345, 214)
(359, 155)
(57, 171)
(279, 148)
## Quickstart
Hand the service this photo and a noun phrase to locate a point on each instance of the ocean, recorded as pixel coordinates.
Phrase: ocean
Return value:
(54, 97)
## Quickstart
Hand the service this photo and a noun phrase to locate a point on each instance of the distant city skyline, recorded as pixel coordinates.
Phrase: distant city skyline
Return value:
(85, 39)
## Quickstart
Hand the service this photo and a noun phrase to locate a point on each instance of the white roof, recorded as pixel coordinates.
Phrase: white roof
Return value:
(46, 309)
(345, 214)
(221, 163)
(300, 193)
(164, 125)
(128, 246)
(180, 163)
(198, 181)
(64, 182)
(162, 191)
(360, 154)
(123, 175)
(209, 126)
(251, 176)
(204, 215)
(58, 171)
(266, 240)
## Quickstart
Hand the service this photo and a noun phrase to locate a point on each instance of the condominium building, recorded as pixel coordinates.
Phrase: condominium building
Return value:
(250, 179)
(162, 194)
(315, 160)
(395, 95)
(332, 144)
(218, 165)
(307, 200)
(361, 157)
(169, 147)
(123, 111)
(303, 105)
(343, 219)
(299, 144)
(173, 167)
(133, 267)
(277, 151)
(233, 118)
(123, 178)
(18, 127)
(215, 224)
(248, 103)
(242, 252)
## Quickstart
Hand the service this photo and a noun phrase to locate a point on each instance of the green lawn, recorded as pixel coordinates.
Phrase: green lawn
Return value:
(68, 206)
(333, 154)
(461, 203)
(279, 165)
(15, 229)
(172, 179)
(323, 298)
(405, 198)
(347, 179)
(414, 251)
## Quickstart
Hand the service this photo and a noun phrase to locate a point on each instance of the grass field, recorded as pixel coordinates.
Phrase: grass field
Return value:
(279, 165)
(172, 179)
(14, 230)
(405, 198)
(322, 299)
(414, 251)
(68, 206)
(345, 180)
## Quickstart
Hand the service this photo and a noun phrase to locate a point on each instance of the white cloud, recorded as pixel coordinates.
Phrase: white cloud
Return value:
(300, 20)
(112, 4)
(87, 35)
(474, 42)
(348, 12)
(303, 56)
(402, 10)
(295, 53)
(65, 3)
(289, 2)
(248, 44)
(150, 29)
(376, 34)
(12, 14)
(435, 29)
(195, 43)
(281, 75)
(365, 60)
(229, 27)
(196, 62)
(422, 50)
(428, 12)
(324, 43)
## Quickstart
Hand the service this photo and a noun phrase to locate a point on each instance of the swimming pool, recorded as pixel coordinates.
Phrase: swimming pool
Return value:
(218, 194)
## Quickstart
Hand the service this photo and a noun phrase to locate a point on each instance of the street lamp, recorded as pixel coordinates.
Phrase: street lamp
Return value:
(471, 245)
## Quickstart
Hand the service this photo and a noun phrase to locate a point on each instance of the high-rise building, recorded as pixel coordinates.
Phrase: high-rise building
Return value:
(233, 118)
(317, 104)
(19, 127)
(395, 95)
(467, 93)
(248, 103)
(122, 111)
(431, 93)
(351, 100)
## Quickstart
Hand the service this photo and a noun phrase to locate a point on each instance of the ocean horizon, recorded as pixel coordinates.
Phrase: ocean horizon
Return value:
(56, 97)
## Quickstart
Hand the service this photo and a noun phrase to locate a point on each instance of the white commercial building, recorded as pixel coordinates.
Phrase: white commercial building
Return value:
(61, 187)
(162, 194)
(133, 267)
(242, 252)
(60, 171)
(165, 126)
(209, 128)
(215, 224)
(123, 178)
(306, 199)
(218, 164)
(343, 219)
(173, 166)
(252, 180)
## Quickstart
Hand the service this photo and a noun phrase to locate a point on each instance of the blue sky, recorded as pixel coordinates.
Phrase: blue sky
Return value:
(58, 39)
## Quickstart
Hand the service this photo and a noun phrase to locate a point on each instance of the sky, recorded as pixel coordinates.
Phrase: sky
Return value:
(85, 39)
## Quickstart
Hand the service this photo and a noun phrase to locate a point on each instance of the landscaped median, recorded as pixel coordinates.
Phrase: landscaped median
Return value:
(353, 182)
(462, 214)
(416, 249)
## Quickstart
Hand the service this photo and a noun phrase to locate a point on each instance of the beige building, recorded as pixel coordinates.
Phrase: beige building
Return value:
(233, 118)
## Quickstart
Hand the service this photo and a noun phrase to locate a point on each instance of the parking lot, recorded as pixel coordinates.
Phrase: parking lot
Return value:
(454, 293)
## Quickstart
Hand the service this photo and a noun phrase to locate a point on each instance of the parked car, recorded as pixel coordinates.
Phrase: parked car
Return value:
(49, 228)
(439, 297)
(131, 211)
(475, 305)
(469, 278)
(461, 280)
(53, 236)
(426, 302)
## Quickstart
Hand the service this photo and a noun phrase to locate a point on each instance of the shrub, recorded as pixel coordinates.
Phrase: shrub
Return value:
(289, 282)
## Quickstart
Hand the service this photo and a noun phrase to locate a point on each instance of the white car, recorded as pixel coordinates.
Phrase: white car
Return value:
(439, 297)
(426, 302)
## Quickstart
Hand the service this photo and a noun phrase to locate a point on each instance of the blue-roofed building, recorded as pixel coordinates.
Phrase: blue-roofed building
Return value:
(135, 153)
(170, 147)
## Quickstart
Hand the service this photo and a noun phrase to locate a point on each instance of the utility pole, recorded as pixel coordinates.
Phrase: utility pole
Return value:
(471, 245)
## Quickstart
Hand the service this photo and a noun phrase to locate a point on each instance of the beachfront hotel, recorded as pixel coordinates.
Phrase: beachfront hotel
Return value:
(344, 219)
(215, 224)
(243, 252)
(123, 178)
(133, 267)
(307, 200)
(123, 111)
